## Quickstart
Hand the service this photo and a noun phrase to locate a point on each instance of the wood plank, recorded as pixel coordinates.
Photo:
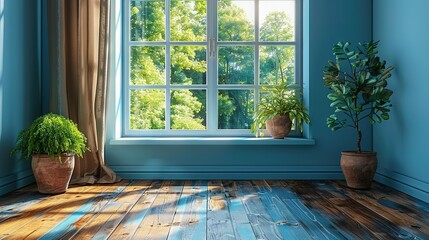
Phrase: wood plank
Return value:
(315, 224)
(132, 220)
(25, 202)
(101, 219)
(156, 225)
(76, 219)
(395, 215)
(289, 226)
(241, 224)
(70, 210)
(17, 222)
(262, 223)
(219, 224)
(20, 196)
(13, 203)
(394, 199)
(190, 218)
(379, 226)
(347, 226)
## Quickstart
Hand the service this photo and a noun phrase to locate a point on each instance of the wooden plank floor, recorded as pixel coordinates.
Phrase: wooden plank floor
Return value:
(217, 210)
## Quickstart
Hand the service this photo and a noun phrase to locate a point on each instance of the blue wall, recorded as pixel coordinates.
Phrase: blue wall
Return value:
(402, 142)
(326, 22)
(19, 85)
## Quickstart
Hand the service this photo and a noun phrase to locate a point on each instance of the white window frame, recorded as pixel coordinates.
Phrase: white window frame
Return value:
(212, 85)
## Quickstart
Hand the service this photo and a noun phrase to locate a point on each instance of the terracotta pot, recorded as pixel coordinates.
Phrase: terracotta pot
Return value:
(279, 127)
(52, 176)
(359, 168)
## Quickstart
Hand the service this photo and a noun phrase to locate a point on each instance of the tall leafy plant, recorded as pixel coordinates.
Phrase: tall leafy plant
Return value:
(358, 83)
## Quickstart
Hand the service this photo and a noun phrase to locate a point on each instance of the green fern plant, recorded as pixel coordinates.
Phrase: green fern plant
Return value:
(279, 100)
(51, 134)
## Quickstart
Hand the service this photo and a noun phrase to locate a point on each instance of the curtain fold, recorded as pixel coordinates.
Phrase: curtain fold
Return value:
(78, 39)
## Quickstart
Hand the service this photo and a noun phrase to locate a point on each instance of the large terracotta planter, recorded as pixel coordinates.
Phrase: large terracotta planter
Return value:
(52, 176)
(359, 168)
(279, 127)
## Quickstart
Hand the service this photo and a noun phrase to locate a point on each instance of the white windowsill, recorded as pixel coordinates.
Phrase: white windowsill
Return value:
(211, 141)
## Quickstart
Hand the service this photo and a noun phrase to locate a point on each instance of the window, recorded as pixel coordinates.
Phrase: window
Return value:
(196, 67)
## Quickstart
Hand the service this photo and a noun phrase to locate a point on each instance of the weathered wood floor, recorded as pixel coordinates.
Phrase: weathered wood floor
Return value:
(214, 210)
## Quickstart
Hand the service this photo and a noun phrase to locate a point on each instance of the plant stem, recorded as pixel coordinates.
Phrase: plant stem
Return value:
(359, 133)
(280, 66)
(359, 138)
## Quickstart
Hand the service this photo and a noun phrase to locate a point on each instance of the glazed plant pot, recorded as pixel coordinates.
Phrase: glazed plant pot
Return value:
(279, 127)
(52, 176)
(359, 168)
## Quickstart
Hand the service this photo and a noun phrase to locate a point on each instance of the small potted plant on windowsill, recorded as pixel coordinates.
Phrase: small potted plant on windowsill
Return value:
(358, 84)
(279, 108)
(52, 141)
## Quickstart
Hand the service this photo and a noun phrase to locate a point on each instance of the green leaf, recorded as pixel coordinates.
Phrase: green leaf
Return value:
(372, 81)
(385, 116)
(332, 64)
(335, 128)
(377, 118)
(341, 58)
(345, 45)
(383, 109)
(354, 56)
(387, 93)
(338, 52)
(351, 53)
(362, 77)
(332, 97)
(337, 103)
(341, 109)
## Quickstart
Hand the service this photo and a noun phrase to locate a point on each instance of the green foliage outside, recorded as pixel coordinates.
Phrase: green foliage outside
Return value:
(358, 83)
(188, 63)
(51, 134)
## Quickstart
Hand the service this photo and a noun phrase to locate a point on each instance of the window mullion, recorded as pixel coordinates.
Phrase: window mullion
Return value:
(167, 66)
(212, 108)
(256, 91)
(126, 38)
(298, 42)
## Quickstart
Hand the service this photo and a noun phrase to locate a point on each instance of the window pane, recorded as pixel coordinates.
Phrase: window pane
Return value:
(188, 65)
(188, 20)
(170, 69)
(236, 20)
(277, 20)
(147, 109)
(235, 109)
(147, 20)
(277, 64)
(188, 109)
(236, 65)
(147, 65)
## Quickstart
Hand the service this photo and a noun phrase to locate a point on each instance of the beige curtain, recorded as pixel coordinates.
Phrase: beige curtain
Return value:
(78, 39)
